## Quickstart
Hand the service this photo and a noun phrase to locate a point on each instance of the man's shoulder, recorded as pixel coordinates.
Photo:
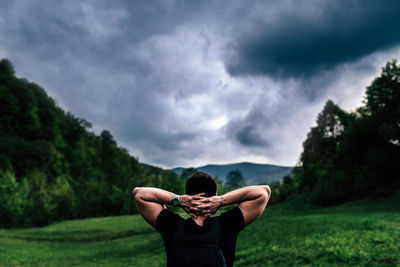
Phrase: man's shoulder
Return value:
(233, 219)
(233, 213)
(165, 218)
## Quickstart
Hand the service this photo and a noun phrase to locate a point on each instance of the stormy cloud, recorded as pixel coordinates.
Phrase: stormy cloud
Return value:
(314, 36)
(186, 83)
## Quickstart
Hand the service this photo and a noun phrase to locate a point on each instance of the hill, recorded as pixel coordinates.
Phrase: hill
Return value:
(253, 173)
(54, 167)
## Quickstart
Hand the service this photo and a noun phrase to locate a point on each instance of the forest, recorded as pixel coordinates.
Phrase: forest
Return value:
(351, 155)
(54, 167)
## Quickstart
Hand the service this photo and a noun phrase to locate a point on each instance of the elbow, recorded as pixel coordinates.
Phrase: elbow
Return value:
(265, 194)
(136, 192)
(267, 191)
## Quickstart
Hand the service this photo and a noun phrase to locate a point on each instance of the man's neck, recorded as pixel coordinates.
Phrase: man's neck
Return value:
(199, 220)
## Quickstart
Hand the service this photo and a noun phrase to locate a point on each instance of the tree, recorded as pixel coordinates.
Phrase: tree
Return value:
(13, 199)
(318, 159)
(6, 68)
(188, 172)
(382, 102)
(63, 197)
(222, 188)
(234, 179)
(41, 208)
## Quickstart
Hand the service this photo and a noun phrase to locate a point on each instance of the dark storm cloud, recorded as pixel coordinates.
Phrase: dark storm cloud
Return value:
(250, 130)
(257, 128)
(248, 135)
(309, 37)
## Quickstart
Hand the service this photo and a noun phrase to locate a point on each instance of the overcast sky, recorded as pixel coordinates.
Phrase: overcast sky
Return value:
(187, 83)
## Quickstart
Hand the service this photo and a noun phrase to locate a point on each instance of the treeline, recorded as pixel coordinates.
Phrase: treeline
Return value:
(53, 167)
(351, 155)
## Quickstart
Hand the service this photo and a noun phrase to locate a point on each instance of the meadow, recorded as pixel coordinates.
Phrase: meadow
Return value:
(365, 233)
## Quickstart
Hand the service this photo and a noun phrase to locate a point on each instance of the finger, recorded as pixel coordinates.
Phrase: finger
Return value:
(204, 206)
(196, 214)
(199, 196)
(196, 209)
(193, 209)
(187, 211)
(200, 206)
(207, 215)
(203, 200)
(202, 212)
(208, 200)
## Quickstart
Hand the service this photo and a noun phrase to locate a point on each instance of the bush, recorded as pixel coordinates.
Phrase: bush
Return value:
(13, 199)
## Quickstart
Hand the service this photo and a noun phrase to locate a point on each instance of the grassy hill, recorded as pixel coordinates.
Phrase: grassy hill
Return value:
(253, 173)
(360, 233)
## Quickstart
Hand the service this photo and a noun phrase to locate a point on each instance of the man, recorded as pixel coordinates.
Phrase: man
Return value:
(201, 233)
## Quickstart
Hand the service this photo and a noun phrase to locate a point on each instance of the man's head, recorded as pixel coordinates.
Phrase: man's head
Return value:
(201, 182)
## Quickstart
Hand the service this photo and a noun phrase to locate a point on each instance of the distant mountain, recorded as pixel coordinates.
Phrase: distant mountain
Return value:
(253, 173)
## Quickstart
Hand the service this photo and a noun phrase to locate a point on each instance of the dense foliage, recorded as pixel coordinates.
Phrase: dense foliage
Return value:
(53, 167)
(351, 155)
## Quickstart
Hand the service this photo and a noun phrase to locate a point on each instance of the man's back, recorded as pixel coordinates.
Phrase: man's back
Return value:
(225, 228)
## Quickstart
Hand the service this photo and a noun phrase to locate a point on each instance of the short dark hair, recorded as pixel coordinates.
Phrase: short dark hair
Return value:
(201, 182)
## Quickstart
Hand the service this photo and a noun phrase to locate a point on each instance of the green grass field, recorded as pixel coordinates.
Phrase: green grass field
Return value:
(363, 234)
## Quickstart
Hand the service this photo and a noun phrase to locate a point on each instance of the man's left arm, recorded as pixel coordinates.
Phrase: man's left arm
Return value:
(151, 201)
